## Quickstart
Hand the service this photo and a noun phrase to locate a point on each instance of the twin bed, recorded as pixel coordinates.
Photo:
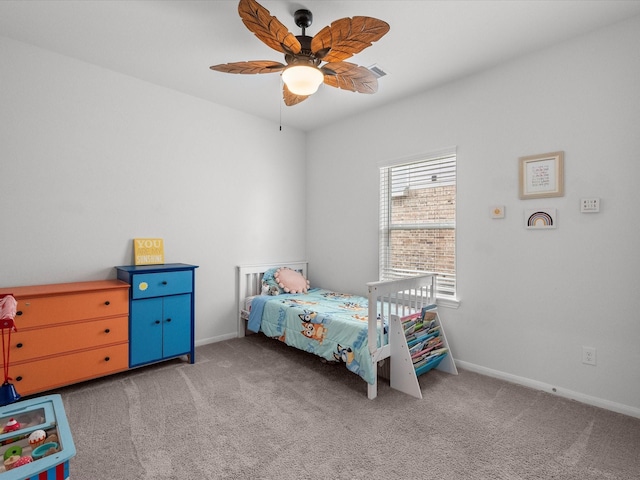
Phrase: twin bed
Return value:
(368, 334)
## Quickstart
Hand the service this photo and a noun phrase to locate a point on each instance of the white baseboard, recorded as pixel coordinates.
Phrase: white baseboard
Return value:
(580, 397)
(218, 338)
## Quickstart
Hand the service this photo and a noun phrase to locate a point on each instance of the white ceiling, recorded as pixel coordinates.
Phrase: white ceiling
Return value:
(173, 43)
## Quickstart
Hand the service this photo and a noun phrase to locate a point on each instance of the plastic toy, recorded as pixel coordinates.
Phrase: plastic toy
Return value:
(11, 426)
(22, 461)
(10, 462)
(13, 451)
(44, 450)
(8, 306)
(37, 438)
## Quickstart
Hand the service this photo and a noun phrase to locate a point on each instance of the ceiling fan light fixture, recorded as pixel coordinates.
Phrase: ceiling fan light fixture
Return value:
(302, 79)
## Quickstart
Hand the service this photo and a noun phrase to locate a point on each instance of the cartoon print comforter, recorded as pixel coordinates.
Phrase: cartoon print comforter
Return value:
(328, 324)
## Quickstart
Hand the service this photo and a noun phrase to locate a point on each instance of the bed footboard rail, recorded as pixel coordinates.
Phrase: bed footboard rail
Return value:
(399, 298)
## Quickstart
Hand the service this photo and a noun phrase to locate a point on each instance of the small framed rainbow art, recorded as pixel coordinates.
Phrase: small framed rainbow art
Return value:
(536, 218)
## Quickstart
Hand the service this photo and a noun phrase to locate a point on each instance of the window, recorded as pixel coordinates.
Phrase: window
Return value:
(418, 220)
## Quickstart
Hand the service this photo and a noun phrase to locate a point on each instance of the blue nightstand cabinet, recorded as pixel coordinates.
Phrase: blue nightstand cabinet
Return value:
(161, 313)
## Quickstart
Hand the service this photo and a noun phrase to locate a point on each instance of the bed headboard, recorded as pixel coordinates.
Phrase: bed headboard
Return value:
(250, 283)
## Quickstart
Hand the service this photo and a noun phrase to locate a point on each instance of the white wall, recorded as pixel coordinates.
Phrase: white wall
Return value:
(530, 299)
(90, 159)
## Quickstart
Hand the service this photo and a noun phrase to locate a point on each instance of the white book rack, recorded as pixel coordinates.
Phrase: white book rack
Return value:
(403, 374)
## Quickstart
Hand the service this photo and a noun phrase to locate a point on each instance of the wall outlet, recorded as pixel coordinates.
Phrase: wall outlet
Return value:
(589, 355)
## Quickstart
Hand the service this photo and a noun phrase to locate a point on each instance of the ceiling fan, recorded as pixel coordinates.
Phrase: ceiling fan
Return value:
(303, 73)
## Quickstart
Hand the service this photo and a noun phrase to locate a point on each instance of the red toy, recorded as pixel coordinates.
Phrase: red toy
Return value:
(8, 306)
(22, 461)
(11, 426)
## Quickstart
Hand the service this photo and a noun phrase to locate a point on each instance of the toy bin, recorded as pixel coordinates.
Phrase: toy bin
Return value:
(36, 442)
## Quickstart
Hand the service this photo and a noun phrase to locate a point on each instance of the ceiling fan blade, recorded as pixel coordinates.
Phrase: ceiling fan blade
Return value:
(348, 36)
(267, 28)
(291, 99)
(349, 76)
(256, 66)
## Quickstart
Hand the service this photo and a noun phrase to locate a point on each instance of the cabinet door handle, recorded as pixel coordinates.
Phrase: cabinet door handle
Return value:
(106, 330)
(157, 322)
(106, 359)
(19, 378)
(19, 345)
(107, 302)
(19, 312)
(168, 320)
(164, 282)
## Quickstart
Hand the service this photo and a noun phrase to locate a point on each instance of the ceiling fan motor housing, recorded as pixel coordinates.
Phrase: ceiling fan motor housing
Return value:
(305, 56)
(303, 19)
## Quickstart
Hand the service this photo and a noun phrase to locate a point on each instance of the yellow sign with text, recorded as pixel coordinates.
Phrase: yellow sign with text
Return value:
(148, 251)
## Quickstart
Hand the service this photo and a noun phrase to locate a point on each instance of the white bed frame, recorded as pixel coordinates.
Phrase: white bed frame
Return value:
(395, 298)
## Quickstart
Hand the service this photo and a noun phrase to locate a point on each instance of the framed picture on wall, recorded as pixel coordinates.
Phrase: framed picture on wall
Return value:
(537, 218)
(542, 175)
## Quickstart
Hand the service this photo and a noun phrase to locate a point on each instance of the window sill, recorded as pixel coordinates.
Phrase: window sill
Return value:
(448, 302)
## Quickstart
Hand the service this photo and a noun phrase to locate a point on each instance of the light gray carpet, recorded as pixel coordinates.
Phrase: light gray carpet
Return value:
(253, 408)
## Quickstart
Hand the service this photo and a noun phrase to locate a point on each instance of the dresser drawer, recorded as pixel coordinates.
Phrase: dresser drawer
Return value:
(47, 310)
(148, 285)
(42, 342)
(41, 375)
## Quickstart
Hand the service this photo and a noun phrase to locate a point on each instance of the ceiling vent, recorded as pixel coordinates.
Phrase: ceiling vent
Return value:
(377, 71)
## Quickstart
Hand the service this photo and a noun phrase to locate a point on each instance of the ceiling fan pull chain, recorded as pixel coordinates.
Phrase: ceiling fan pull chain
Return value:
(280, 103)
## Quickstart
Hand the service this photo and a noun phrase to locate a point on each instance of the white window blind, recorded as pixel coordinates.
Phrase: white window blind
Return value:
(418, 221)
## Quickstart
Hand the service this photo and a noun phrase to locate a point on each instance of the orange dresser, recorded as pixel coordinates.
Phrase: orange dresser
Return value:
(68, 333)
